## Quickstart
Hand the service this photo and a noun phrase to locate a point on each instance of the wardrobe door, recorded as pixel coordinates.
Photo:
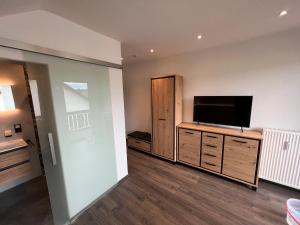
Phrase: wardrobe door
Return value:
(163, 116)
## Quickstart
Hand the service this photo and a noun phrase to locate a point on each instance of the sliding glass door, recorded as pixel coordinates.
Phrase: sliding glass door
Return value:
(76, 121)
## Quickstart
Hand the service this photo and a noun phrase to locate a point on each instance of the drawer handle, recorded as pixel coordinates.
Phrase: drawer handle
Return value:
(238, 141)
(161, 119)
(137, 142)
(212, 146)
(211, 164)
(188, 132)
(210, 136)
(209, 155)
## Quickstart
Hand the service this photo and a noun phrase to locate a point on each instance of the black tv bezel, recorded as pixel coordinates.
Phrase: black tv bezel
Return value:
(226, 124)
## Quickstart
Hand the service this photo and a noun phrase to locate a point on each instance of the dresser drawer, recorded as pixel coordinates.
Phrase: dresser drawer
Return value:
(12, 158)
(212, 149)
(211, 152)
(241, 143)
(189, 146)
(15, 172)
(211, 158)
(240, 158)
(139, 144)
(190, 134)
(211, 164)
(213, 139)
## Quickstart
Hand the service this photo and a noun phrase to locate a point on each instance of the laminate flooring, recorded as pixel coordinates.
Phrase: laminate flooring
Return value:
(159, 193)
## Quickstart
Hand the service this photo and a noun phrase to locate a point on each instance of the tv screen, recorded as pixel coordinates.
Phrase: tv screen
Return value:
(226, 110)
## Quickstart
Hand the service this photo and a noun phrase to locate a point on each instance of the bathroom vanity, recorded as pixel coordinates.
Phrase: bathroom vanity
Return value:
(14, 160)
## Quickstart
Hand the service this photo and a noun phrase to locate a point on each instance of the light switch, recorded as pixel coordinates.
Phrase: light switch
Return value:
(7, 133)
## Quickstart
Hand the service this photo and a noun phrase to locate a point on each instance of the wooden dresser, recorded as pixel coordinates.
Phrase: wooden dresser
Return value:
(14, 160)
(227, 152)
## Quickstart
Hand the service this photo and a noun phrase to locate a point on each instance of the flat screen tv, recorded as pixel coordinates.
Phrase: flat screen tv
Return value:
(225, 110)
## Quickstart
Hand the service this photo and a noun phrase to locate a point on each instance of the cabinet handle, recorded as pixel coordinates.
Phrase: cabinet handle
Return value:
(161, 119)
(52, 150)
(188, 132)
(210, 136)
(209, 155)
(238, 141)
(211, 164)
(212, 146)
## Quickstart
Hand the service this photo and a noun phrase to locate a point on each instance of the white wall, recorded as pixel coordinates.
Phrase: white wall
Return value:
(48, 30)
(267, 68)
(117, 101)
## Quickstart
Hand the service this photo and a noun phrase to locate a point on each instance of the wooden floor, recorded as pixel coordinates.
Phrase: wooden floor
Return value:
(26, 204)
(158, 192)
(162, 193)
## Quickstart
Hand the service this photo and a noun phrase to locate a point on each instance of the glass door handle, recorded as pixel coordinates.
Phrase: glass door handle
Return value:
(51, 143)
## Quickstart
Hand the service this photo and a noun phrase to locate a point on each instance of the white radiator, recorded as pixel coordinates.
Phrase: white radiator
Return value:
(280, 157)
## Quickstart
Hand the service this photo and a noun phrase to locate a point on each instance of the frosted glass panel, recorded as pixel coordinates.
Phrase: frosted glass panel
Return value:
(84, 145)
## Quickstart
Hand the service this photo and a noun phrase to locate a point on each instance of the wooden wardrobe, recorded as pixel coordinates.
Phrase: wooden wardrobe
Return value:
(166, 105)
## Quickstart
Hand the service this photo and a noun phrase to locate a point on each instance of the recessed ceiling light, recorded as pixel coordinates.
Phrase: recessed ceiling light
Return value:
(151, 50)
(283, 13)
(199, 36)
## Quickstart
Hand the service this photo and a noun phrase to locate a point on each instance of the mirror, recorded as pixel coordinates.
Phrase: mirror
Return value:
(6, 98)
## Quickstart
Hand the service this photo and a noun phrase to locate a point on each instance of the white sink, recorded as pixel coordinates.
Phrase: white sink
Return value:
(7, 146)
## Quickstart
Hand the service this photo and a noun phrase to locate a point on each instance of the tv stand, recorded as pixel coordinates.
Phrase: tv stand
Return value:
(227, 152)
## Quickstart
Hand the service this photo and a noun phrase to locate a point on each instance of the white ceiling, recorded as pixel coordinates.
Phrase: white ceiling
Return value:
(170, 26)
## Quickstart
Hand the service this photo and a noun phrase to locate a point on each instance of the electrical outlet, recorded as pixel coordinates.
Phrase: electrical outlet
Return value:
(18, 128)
(286, 145)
